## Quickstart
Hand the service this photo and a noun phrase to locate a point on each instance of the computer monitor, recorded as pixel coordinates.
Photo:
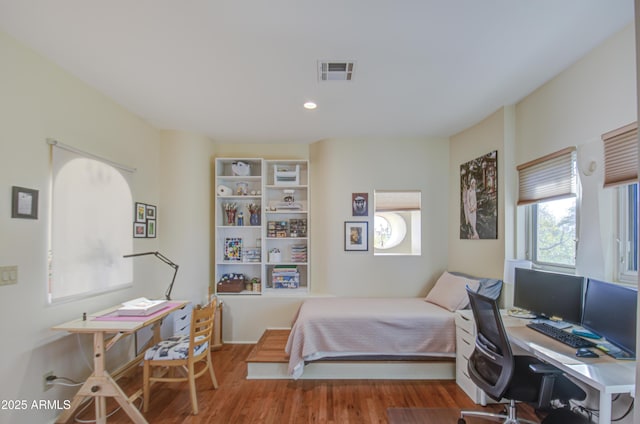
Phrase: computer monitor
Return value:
(610, 312)
(549, 294)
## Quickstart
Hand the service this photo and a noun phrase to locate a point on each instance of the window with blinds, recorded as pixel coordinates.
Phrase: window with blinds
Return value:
(90, 225)
(549, 177)
(621, 155)
(621, 171)
(548, 186)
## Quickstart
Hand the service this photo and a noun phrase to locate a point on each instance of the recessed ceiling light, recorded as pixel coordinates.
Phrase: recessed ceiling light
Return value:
(310, 105)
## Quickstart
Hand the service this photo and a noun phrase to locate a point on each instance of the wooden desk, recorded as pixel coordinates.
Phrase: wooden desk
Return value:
(100, 384)
(607, 375)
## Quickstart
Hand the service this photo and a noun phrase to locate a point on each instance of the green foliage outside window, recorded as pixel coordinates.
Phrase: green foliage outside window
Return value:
(556, 232)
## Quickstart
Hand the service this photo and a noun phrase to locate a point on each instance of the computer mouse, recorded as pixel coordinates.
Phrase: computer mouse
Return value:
(583, 352)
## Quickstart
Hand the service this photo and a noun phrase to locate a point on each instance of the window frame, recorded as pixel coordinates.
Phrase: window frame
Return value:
(544, 180)
(531, 217)
(622, 246)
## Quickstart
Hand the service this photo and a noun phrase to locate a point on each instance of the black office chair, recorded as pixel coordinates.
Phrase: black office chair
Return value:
(495, 369)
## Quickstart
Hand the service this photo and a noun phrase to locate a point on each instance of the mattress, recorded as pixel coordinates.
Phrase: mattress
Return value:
(369, 327)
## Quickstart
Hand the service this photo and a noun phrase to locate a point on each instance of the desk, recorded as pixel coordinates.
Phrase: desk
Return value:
(609, 376)
(100, 384)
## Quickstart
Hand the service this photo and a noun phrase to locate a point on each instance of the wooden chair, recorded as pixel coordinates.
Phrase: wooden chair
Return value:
(183, 352)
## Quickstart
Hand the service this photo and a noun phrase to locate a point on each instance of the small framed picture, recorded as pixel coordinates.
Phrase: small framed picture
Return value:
(141, 212)
(151, 228)
(360, 204)
(24, 203)
(233, 249)
(151, 212)
(139, 229)
(356, 235)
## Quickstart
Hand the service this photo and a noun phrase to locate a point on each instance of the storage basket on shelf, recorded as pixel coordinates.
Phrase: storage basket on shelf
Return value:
(231, 283)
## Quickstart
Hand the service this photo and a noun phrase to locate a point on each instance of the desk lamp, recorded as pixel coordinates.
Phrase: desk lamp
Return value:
(164, 259)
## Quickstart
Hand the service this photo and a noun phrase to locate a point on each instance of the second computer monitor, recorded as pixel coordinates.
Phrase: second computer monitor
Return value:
(549, 294)
(610, 311)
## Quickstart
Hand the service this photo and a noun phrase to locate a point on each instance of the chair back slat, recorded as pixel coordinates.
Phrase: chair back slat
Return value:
(201, 325)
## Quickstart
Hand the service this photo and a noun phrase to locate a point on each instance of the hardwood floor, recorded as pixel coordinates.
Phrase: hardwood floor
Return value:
(239, 400)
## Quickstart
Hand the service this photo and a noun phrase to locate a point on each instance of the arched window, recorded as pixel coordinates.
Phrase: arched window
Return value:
(397, 223)
(90, 226)
(389, 231)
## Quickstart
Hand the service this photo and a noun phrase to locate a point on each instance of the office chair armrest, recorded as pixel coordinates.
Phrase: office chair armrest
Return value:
(542, 368)
(549, 374)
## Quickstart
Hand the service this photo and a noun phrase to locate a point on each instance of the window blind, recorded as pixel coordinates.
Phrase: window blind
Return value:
(90, 224)
(550, 177)
(396, 201)
(621, 155)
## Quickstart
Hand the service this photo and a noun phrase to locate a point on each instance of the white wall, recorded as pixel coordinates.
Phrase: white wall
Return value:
(595, 95)
(40, 100)
(185, 217)
(345, 166)
(482, 258)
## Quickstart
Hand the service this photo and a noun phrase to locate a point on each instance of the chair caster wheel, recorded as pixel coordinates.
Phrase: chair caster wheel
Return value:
(461, 421)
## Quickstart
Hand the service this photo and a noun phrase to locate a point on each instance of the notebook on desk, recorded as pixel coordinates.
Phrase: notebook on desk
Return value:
(614, 351)
(141, 307)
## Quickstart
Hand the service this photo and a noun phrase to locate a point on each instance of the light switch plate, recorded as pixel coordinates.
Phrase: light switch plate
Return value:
(8, 275)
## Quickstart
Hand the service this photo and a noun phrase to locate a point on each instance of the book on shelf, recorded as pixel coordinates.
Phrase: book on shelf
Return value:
(141, 306)
(285, 277)
(285, 268)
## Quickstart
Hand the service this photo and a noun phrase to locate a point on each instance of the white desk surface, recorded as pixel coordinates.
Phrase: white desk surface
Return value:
(605, 373)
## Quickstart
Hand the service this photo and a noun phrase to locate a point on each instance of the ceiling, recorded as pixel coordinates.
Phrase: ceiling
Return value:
(240, 70)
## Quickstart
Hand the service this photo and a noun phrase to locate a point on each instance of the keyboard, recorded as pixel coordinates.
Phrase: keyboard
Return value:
(560, 335)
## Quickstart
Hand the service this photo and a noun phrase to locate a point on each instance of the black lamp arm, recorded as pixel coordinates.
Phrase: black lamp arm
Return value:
(167, 261)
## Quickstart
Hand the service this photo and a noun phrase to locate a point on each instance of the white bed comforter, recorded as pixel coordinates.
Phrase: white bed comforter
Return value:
(330, 327)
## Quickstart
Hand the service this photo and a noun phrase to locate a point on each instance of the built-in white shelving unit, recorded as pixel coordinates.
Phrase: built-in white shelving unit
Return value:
(286, 214)
(273, 245)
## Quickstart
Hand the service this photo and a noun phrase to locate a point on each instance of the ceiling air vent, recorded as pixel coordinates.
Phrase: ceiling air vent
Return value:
(335, 70)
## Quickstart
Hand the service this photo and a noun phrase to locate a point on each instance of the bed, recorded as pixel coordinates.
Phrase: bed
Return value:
(373, 328)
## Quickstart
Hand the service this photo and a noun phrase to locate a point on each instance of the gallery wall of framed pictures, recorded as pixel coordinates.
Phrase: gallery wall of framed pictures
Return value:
(145, 222)
(356, 233)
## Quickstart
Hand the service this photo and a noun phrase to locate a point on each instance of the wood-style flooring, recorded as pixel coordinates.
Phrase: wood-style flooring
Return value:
(270, 347)
(239, 400)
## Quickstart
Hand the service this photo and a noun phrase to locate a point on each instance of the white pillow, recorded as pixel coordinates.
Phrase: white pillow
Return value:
(450, 291)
